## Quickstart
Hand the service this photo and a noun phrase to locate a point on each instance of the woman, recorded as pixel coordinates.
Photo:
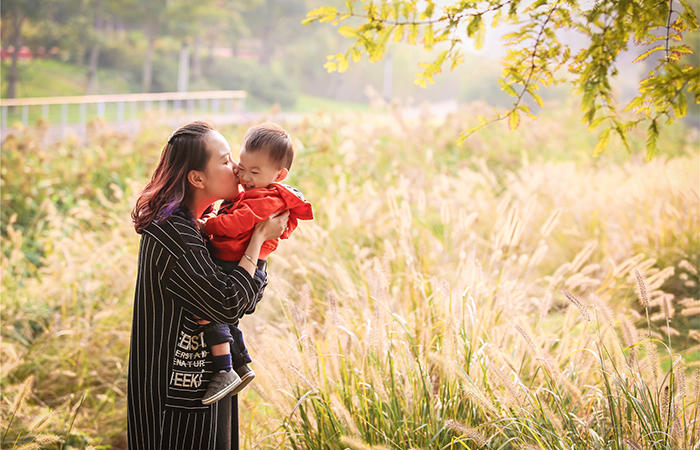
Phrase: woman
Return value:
(177, 280)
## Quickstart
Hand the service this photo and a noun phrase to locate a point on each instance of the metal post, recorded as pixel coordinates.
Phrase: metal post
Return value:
(4, 117)
(120, 112)
(101, 109)
(83, 120)
(25, 115)
(45, 111)
(64, 115)
(64, 119)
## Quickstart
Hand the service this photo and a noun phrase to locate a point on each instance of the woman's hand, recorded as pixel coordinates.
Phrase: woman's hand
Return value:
(272, 227)
(201, 226)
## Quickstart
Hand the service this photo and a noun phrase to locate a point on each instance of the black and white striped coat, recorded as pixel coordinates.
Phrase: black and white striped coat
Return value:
(168, 364)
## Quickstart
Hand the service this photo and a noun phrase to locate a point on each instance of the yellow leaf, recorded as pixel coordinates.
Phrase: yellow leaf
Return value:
(347, 31)
(646, 54)
(602, 142)
(513, 119)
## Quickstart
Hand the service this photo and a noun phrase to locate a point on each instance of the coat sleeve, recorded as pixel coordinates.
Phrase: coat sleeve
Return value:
(261, 279)
(202, 288)
(244, 217)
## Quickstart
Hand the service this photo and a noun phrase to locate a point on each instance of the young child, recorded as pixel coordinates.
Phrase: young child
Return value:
(266, 158)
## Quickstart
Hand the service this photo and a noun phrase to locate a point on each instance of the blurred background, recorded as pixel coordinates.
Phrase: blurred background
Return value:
(79, 47)
(509, 291)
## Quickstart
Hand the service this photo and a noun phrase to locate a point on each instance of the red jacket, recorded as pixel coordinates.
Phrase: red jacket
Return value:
(232, 228)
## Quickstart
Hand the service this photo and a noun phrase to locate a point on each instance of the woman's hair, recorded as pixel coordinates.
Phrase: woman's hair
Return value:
(169, 188)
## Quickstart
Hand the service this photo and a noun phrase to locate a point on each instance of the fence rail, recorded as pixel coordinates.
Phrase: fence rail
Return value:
(77, 110)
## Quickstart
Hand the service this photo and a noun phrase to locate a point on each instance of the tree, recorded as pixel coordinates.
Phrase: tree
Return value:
(537, 54)
(275, 23)
(16, 12)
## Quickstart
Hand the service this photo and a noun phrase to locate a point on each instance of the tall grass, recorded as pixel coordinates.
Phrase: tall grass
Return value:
(509, 293)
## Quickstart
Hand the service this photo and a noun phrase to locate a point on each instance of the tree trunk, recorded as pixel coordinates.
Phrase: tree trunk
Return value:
(196, 60)
(209, 62)
(95, 51)
(16, 43)
(183, 68)
(147, 78)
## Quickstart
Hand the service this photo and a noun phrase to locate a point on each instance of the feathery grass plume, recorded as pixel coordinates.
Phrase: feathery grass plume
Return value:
(651, 362)
(692, 311)
(303, 377)
(549, 365)
(633, 445)
(472, 433)
(552, 417)
(642, 290)
(684, 264)
(16, 403)
(550, 223)
(577, 302)
(681, 382)
(342, 412)
(630, 336)
(354, 443)
(664, 402)
(478, 397)
(515, 397)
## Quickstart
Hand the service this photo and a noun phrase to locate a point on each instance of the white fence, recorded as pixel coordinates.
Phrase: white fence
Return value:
(65, 112)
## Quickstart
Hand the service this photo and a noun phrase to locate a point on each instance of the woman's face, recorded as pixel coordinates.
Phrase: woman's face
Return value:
(221, 181)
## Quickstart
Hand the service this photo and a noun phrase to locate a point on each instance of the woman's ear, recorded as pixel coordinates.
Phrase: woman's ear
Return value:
(196, 178)
(282, 174)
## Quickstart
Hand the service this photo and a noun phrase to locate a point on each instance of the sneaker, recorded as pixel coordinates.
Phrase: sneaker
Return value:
(246, 375)
(221, 384)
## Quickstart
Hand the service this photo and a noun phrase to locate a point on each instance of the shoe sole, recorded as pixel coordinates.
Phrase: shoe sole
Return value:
(221, 394)
(245, 381)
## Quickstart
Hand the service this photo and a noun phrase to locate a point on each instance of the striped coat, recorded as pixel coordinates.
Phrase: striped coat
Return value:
(168, 364)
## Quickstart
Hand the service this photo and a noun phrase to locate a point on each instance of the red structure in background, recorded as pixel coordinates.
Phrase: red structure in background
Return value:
(26, 54)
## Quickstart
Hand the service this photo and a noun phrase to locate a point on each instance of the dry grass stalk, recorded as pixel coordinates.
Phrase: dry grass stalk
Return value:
(472, 433)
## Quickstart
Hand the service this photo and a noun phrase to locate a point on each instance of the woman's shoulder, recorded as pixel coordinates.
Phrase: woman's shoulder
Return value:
(177, 233)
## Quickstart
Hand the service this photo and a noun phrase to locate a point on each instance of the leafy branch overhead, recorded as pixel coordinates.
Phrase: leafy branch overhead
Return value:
(537, 55)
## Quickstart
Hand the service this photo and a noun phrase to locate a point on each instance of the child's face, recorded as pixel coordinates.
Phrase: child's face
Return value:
(256, 170)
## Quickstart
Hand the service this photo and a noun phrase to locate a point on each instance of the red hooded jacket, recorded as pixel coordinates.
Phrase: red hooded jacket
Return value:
(232, 227)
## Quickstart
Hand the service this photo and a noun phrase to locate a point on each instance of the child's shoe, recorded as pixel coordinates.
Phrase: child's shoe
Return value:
(246, 375)
(221, 383)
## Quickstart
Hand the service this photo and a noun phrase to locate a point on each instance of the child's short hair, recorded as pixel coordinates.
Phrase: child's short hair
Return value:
(274, 139)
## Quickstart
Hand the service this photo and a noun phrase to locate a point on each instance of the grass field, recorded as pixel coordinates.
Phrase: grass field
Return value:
(510, 292)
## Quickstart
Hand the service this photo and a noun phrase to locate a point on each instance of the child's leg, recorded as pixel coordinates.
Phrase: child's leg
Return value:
(218, 338)
(239, 353)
